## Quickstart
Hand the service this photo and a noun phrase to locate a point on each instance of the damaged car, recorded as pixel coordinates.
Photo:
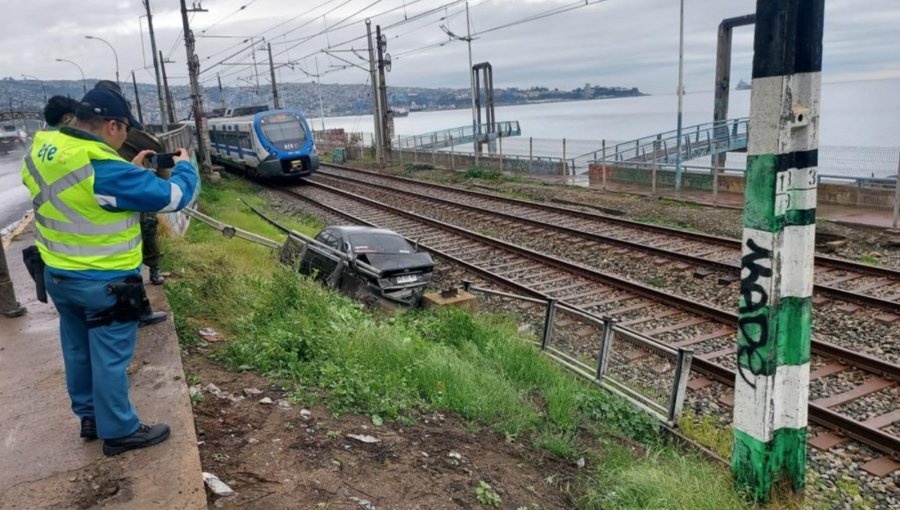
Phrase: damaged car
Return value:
(374, 265)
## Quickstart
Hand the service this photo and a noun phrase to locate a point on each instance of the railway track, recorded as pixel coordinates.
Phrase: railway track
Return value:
(667, 318)
(870, 286)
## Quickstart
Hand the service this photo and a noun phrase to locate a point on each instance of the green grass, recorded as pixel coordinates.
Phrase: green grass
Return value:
(327, 348)
(665, 222)
(870, 259)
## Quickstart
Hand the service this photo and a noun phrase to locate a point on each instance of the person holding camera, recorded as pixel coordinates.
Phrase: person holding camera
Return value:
(87, 201)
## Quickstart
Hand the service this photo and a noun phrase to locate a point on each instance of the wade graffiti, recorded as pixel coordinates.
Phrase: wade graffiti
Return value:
(754, 327)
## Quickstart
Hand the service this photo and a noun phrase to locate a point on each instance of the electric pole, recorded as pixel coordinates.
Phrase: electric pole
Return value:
(475, 128)
(775, 312)
(137, 98)
(678, 158)
(387, 118)
(221, 92)
(170, 107)
(196, 96)
(275, 103)
(159, 83)
(376, 103)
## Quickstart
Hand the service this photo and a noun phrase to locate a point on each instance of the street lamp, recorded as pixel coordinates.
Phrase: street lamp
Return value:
(29, 77)
(83, 83)
(114, 53)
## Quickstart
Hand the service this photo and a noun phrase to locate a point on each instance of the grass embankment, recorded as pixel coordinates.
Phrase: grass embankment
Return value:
(326, 347)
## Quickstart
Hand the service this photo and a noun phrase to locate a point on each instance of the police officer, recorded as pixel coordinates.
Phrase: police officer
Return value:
(87, 201)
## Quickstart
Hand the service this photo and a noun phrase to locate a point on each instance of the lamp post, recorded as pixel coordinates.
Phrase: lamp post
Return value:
(83, 83)
(116, 55)
(30, 77)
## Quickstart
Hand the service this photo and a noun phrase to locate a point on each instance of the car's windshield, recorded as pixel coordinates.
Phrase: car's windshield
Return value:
(379, 243)
(9, 128)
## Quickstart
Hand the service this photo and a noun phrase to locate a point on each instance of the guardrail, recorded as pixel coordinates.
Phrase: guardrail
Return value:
(599, 373)
(460, 135)
(178, 137)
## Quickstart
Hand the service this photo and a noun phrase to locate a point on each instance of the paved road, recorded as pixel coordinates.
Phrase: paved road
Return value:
(14, 201)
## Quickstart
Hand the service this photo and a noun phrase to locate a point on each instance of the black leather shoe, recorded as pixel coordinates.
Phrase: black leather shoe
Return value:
(88, 428)
(153, 318)
(147, 435)
(156, 278)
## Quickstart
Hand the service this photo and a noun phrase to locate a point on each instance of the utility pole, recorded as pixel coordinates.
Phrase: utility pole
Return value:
(376, 103)
(319, 89)
(196, 96)
(221, 92)
(255, 67)
(475, 128)
(678, 169)
(274, 85)
(159, 83)
(8, 304)
(170, 107)
(387, 121)
(137, 98)
(774, 322)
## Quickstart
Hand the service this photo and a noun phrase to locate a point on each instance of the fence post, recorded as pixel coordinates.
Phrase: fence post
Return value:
(565, 165)
(715, 170)
(452, 159)
(656, 164)
(603, 166)
(897, 193)
(679, 385)
(399, 151)
(530, 155)
(500, 148)
(433, 156)
(606, 339)
(549, 316)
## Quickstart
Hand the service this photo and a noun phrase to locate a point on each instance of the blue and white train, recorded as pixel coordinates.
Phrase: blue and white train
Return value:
(266, 144)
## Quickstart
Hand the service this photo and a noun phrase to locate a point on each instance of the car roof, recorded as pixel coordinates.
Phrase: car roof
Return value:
(360, 229)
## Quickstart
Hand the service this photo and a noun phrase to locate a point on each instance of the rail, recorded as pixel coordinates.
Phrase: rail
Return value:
(178, 137)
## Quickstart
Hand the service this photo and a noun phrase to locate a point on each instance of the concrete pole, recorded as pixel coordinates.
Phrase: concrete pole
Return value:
(774, 324)
(159, 83)
(196, 96)
(8, 304)
(603, 166)
(376, 104)
(452, 157)
(137, 98)
(275, 103)
(680, 97)
(170, 108)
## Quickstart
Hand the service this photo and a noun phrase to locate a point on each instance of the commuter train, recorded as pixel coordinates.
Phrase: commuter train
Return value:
(265, 144)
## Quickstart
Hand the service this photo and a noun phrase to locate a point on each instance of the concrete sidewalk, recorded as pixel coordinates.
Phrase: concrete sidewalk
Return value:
(43, 462)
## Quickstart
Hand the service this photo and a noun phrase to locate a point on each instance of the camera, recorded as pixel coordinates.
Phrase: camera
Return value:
(163, 160)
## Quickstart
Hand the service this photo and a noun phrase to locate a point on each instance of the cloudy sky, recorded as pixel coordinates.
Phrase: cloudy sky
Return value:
(612, 42)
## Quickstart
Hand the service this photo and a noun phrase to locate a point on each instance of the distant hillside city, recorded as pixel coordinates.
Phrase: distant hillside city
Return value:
(337, 100)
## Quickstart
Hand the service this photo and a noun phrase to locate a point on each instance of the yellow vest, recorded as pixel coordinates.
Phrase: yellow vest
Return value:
(73, 232)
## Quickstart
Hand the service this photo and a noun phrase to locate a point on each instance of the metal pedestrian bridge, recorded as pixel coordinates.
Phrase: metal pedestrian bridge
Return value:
(662, 148)
(458, 136)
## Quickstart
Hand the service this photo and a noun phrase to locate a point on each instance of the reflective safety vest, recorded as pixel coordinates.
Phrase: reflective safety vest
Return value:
(73, 232)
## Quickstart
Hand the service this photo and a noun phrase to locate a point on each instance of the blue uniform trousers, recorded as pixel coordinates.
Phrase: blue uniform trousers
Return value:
(96, 359)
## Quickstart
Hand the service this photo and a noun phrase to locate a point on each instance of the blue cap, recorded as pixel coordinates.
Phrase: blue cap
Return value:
(108, 103)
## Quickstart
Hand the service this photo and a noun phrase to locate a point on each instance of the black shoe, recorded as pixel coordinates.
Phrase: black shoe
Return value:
(88, 428)
(153, 318)
(147, 435)
(156, 278)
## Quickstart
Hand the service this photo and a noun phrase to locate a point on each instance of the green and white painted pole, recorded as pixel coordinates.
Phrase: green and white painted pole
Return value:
(774, 326)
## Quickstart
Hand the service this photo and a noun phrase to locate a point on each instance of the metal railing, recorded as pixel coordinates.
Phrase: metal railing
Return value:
(599, 373)
(697, 141)
(178, 137)
(459, 135)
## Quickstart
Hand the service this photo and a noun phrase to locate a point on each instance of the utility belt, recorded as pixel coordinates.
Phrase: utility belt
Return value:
(131, 303)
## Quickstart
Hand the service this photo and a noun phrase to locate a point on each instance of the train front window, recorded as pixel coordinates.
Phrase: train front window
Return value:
(284, 131)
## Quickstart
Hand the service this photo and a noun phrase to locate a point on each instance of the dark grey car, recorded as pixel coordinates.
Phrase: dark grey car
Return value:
(371, 264)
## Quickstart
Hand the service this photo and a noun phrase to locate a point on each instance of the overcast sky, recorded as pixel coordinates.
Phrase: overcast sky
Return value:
(615, 43)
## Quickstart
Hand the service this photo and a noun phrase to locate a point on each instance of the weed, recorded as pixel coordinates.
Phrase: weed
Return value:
(220, 457)
(707, 431)
(192, 379)
(487, 496)
(562, 444)
(288, 426)
(870, 259)
(196, 398)
(656, 281)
